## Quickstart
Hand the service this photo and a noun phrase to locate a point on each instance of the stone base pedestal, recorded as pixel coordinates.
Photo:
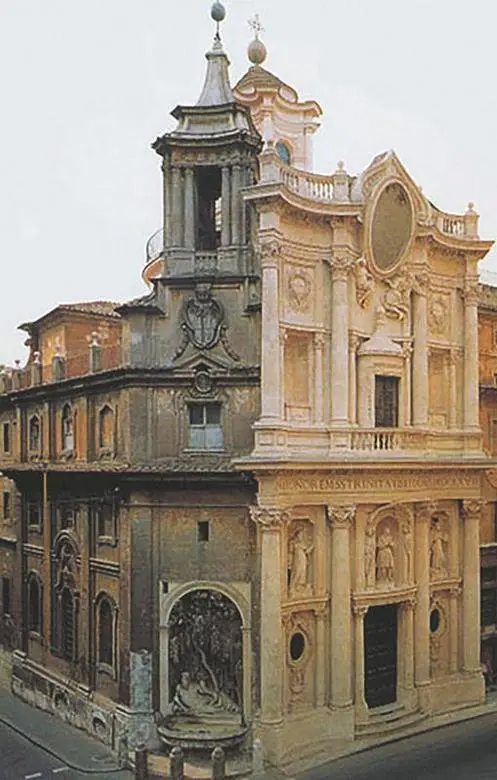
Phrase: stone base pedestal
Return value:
(306, 734)
(463, 690)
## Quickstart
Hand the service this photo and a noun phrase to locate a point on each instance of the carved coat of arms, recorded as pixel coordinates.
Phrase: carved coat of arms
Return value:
(202, 318)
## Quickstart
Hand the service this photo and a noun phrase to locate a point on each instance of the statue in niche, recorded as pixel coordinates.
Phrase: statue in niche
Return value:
(370, 556)
(407, 535)
(385, 561)
(196, 697)
(438, 559)
(205, 657)
(364, 283)
(300, 552)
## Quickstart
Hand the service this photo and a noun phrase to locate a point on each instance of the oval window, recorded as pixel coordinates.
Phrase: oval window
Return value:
(392, 225)
(283, 153)
(434, 620)
(297, 646)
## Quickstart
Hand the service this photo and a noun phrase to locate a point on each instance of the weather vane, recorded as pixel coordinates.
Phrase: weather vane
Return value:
(256, 26)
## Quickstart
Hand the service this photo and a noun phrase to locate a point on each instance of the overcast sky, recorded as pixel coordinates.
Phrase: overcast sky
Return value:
(86, 86)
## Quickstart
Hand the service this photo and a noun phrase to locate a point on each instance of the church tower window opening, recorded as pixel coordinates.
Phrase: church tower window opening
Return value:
(284, 153)
(208, 233)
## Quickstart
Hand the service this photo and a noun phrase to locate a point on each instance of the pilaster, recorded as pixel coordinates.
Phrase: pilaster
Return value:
(420, 359)
(471, 385)
(423, 514)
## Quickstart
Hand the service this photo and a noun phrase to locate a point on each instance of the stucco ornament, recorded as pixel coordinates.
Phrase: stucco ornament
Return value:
(438, 314)
(364, 283)
(299, 290)
(202, 318)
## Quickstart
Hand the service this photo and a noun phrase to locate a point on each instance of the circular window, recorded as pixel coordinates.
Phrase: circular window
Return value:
(392, 226)
(297, 646)
(434, 620)
(283, 152)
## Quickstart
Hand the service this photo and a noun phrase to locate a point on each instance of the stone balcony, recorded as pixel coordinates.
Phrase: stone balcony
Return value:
(340, 190)
(178, 262)
(284, 440)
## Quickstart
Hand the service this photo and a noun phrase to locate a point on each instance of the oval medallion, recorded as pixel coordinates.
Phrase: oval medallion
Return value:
(392, 224)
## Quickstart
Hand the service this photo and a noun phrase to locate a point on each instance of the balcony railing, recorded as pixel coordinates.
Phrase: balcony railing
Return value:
(337, 188)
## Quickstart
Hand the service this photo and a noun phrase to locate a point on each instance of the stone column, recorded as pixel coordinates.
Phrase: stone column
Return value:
(270, 362)
(340, 265)
(270, 523)
(167, 184)
(320, 615)
(408, 350)
(420, 361)
(423, 515)
(341, 519)
(408, 651)
(176, 207)
(361, 708)
(455, 594)
(318, 377)
(471, 585)
(235, 204)
(454, 359)
(225, 206)
(353, 344)
(189, 209)
(471, 381)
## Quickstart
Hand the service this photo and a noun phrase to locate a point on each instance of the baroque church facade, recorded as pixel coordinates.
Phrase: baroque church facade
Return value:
(262, 520)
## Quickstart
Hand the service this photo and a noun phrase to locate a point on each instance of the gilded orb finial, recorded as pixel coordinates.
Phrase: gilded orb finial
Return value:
(256, 51)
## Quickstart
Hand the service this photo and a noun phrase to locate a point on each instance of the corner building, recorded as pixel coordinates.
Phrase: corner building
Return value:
(259, 516)
(368, 451)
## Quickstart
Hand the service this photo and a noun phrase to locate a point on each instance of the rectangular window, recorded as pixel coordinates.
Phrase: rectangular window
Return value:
(203, 531)
(386, 402)
(6, 505)
(5, 595)
(104, 520)
(205, 432)
(6, 437)
(34, 514)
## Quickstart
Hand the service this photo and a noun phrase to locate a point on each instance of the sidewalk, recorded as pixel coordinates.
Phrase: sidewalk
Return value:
(74, 748)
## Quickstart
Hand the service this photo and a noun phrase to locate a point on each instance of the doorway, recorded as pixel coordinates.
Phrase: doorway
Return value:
(380, 655)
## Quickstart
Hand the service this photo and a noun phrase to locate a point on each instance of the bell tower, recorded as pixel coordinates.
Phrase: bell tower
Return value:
(207, 161)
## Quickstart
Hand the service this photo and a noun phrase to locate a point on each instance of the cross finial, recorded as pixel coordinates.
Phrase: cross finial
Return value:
(256, 26)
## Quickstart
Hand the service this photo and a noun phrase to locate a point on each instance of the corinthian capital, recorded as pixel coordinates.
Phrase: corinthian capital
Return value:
(425, 510)
(472, 507)
(341, 263)
(341, 516)
(270, 251)
(270, 517)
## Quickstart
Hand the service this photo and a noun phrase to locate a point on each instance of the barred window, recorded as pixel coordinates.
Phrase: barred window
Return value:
(67, 625)
(34, 604)
(105, 633)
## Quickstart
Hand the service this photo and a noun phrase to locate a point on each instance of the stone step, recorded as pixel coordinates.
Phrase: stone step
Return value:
(388, 720)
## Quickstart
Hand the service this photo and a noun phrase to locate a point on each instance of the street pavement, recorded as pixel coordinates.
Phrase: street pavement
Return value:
(36, 746)
(462, 751)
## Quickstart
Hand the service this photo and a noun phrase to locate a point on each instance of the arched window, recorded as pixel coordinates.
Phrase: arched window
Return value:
(34, 604)
(106, 632)
(106, 428)
(34, 434)
(284, 153)
(67, 625)
(67, 428)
